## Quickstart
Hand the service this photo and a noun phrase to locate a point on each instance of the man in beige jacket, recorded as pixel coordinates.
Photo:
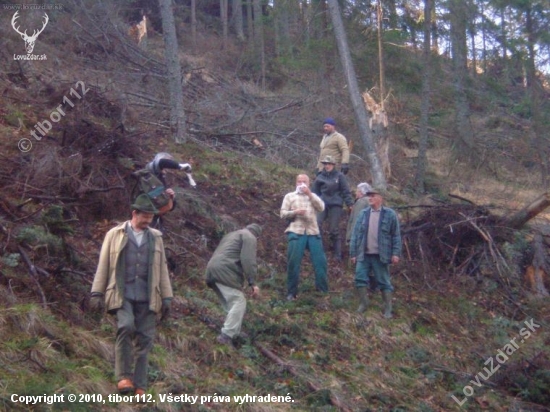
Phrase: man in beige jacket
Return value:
(132, 282)
(333, 144)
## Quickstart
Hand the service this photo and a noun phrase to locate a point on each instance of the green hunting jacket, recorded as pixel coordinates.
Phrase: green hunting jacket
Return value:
(234, 260)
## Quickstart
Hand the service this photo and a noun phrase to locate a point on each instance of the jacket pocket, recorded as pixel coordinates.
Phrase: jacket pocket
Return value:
(111, 299)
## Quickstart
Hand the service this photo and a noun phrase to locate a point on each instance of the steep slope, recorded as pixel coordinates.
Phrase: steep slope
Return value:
(451, 329)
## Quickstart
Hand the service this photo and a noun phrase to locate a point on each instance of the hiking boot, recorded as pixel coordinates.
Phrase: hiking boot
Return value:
(224, 339)
(363, 299)
(125, 386)
(386, 297)
(140, 395)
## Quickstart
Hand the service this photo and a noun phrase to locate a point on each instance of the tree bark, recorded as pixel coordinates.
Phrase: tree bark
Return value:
(171, 56)
(536, 273)
(194, 23)
(422, 161)
(225, 21)
(249, 23)
(238, 19)
(465, 144)
(535, 94)
(259, 40)
(359, 109)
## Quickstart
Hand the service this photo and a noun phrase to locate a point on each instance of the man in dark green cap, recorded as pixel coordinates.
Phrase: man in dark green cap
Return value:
(232, 264)
(132, 282)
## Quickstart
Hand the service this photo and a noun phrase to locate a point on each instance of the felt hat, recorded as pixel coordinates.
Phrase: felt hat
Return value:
(143, 203)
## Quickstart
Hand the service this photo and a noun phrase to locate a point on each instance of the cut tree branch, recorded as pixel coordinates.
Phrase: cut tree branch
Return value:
(519, 219)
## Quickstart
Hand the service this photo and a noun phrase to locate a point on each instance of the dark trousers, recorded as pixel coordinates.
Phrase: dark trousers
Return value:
(135, 323)
(332, 214)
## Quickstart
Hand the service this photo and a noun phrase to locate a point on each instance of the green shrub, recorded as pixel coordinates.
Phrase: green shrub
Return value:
(37, 236)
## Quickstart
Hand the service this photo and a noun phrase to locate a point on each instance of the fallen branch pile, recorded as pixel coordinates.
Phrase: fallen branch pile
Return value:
(467, 239)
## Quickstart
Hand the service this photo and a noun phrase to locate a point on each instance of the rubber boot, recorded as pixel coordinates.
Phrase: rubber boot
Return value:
(363, 299)
(386, 297)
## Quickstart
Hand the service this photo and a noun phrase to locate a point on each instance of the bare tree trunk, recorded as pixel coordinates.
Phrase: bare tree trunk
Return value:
(225, 21)
(238, 19)
(465, 143)
(474, 60)
(379, 127)
(535, 91)
(361, 116)
(504, 38)
(484, 37)
(249, 23)
(435, 33)
(380, 16)
(259, 39)
(285, 13)
(422, 161)
(306, 20)
(194, 23)
(171, 56)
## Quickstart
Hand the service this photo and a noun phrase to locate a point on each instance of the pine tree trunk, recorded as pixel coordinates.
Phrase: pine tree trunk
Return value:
(171, 56)
(224, 19)
(465, 143)
(359, 109)
(194, 23)
(259, 40)
(422, 161)
(238, 19)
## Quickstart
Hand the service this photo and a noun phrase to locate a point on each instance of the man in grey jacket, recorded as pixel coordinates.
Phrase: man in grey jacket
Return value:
(333, 189)
(132, 281)
(233, 264)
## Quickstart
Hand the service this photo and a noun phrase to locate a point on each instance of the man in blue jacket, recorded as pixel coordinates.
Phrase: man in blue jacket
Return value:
(375, 244)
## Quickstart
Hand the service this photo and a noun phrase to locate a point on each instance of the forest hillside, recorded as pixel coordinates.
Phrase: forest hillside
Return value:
(471, 325)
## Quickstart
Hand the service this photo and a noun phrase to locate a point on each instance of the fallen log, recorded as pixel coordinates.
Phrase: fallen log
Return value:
(520, 218)
(314, 387)
(190, 308)
(34, 275)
